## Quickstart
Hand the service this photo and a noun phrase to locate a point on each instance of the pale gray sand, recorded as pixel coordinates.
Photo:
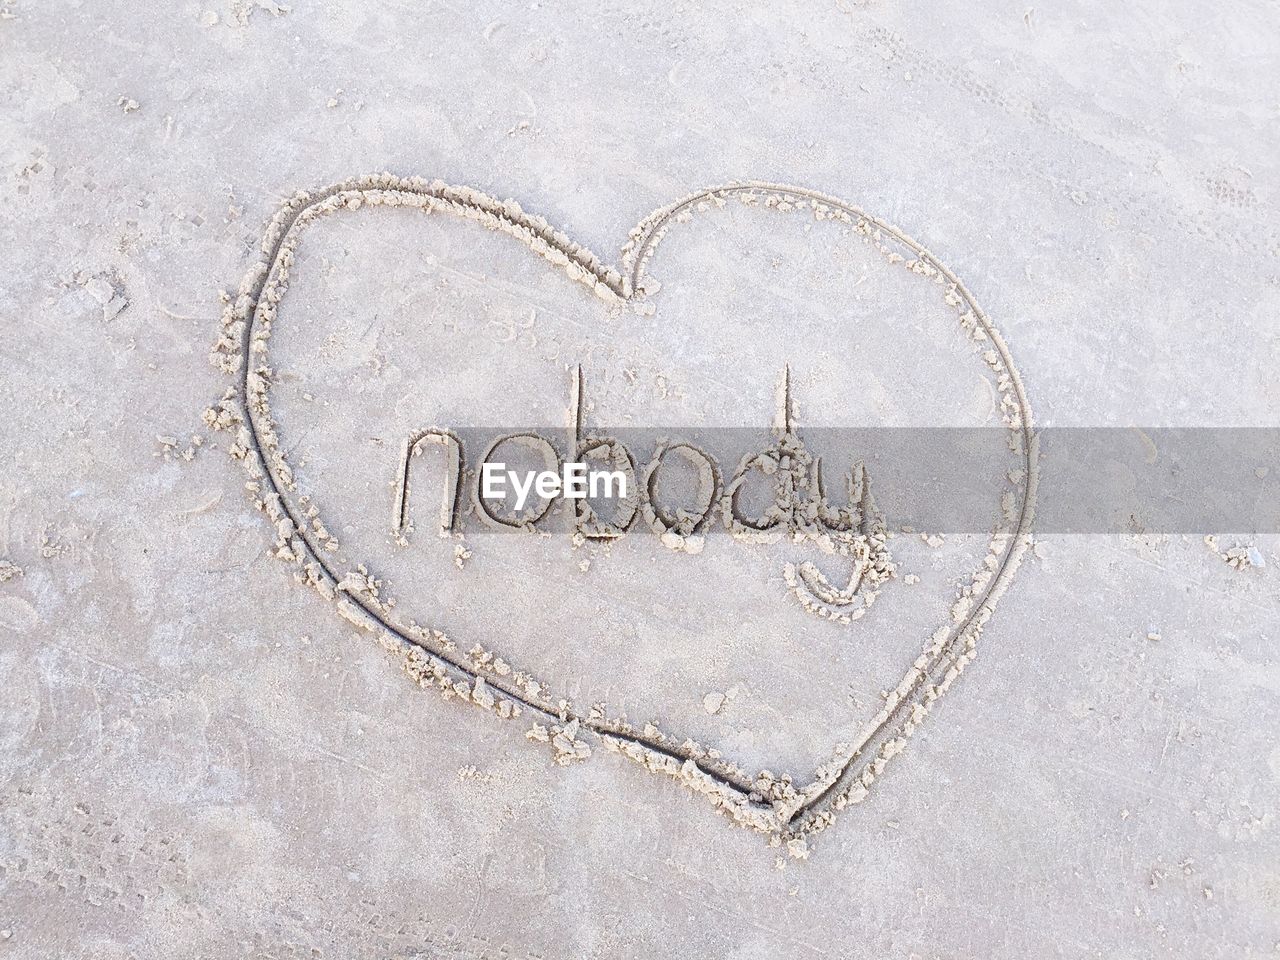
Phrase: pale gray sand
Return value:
(199, 755)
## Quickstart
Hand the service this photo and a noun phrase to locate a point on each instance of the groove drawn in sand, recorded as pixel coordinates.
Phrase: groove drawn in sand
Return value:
(413, 447)
(798, 511)
(773, 804)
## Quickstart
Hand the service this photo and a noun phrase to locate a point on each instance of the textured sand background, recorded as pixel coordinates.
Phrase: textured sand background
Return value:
(198, 758)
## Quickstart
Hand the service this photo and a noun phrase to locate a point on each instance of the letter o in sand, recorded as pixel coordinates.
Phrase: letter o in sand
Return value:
(686, 522)
(530, 441)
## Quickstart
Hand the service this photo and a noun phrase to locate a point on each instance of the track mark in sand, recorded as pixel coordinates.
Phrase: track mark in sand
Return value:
(772, 804)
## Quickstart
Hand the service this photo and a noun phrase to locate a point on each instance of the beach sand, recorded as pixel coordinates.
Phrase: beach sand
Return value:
(258, 703)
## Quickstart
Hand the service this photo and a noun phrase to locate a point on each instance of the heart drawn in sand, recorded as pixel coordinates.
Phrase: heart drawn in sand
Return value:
(789, 809)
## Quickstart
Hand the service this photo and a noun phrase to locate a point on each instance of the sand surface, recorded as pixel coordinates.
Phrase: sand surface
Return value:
(215, 576)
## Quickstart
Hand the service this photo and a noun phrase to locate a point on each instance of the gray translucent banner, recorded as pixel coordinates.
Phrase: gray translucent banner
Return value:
(1173, 480)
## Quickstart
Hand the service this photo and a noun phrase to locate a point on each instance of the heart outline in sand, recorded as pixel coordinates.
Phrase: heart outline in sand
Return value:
(771, 804)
